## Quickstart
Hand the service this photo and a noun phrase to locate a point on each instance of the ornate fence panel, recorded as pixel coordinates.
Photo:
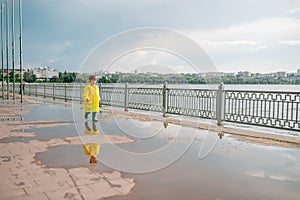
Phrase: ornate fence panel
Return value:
(112, 96)
(145, 98)
(264, 108)
(192, 102)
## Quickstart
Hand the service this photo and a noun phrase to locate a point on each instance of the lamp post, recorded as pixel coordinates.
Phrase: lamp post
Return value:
(2, 51)
(7, 40)
(13, 45)
(21, 50)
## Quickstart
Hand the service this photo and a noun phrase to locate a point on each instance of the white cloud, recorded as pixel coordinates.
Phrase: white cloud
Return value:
(262, 33)
(217, 44)
(289, 42)
(254, 45)
(262, 174)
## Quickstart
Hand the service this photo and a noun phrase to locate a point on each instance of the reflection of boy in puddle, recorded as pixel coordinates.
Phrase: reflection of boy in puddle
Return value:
(92, 150)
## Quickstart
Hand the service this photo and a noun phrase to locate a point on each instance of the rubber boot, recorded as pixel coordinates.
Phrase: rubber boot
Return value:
(86, 115)
(94, 117)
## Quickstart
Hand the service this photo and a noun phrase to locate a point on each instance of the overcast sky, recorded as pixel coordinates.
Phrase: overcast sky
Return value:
(255, 35)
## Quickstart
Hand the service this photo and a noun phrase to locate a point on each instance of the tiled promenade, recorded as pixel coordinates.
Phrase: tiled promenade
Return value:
(23, 177)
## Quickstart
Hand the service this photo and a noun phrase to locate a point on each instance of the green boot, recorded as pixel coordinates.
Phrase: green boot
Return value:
(86, 115)
(95, 117)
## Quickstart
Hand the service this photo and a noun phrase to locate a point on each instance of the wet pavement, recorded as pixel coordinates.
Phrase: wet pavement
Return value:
(24, 177)
(210, 168)
(166, 161)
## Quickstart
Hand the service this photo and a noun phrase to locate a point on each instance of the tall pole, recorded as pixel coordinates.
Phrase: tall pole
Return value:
(7, 41)
(21, 50)
(13, 44)
(2, 50)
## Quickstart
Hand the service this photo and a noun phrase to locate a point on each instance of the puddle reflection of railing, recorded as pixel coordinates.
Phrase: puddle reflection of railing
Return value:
(12, 119)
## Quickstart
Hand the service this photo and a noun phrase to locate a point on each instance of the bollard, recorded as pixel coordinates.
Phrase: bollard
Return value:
(220, 111)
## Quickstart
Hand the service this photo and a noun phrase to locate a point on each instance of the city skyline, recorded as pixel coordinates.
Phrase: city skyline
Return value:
(242, 73)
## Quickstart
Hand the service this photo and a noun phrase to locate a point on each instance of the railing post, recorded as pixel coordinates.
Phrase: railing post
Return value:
(36, 94)
(164, 103)
(80, 92)
(53, 91)
(65, 86)
(44, 90)
(29, 89)
(220, 105)
(126, 97)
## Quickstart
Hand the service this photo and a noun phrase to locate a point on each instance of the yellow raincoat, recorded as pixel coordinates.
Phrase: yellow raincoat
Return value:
(91, 149)
(91, 93)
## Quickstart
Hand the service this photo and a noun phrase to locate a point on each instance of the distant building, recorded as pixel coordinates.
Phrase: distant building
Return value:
(44, 72)
(17, 71)
(270, 75)
(211, 74)
(281, 74)
(244, 73)
(298, 72)
(258, 75)
(228, 75)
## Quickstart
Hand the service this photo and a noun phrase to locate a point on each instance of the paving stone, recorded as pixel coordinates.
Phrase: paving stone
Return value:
(84, 181)
(125, 185)
(100, 190)
(39, 196)
(12, 194)
(71, 193)
(113, 175)
(46, 188)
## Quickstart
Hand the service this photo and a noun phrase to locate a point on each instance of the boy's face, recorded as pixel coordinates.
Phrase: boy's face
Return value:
(93, 81)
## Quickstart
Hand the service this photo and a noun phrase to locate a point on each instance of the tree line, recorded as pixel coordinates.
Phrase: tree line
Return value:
(63, 77)
(144, 78)
(194, 79)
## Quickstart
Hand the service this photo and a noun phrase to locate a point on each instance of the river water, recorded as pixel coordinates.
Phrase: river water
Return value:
(252, 87)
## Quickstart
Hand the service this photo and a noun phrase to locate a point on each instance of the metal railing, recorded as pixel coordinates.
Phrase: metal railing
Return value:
(262, 108)
(192, 102)
(63, 91)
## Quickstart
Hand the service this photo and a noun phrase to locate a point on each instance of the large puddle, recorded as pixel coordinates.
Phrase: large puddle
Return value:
(210, 167)
(175, 162)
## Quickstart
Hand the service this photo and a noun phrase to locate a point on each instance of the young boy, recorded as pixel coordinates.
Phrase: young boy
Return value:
(91, 99)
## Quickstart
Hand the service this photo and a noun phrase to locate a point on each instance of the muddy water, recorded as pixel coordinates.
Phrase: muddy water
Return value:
(210, 168)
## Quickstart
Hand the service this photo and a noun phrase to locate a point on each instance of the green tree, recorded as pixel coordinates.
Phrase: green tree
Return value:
(29, 77)
(54, 79)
